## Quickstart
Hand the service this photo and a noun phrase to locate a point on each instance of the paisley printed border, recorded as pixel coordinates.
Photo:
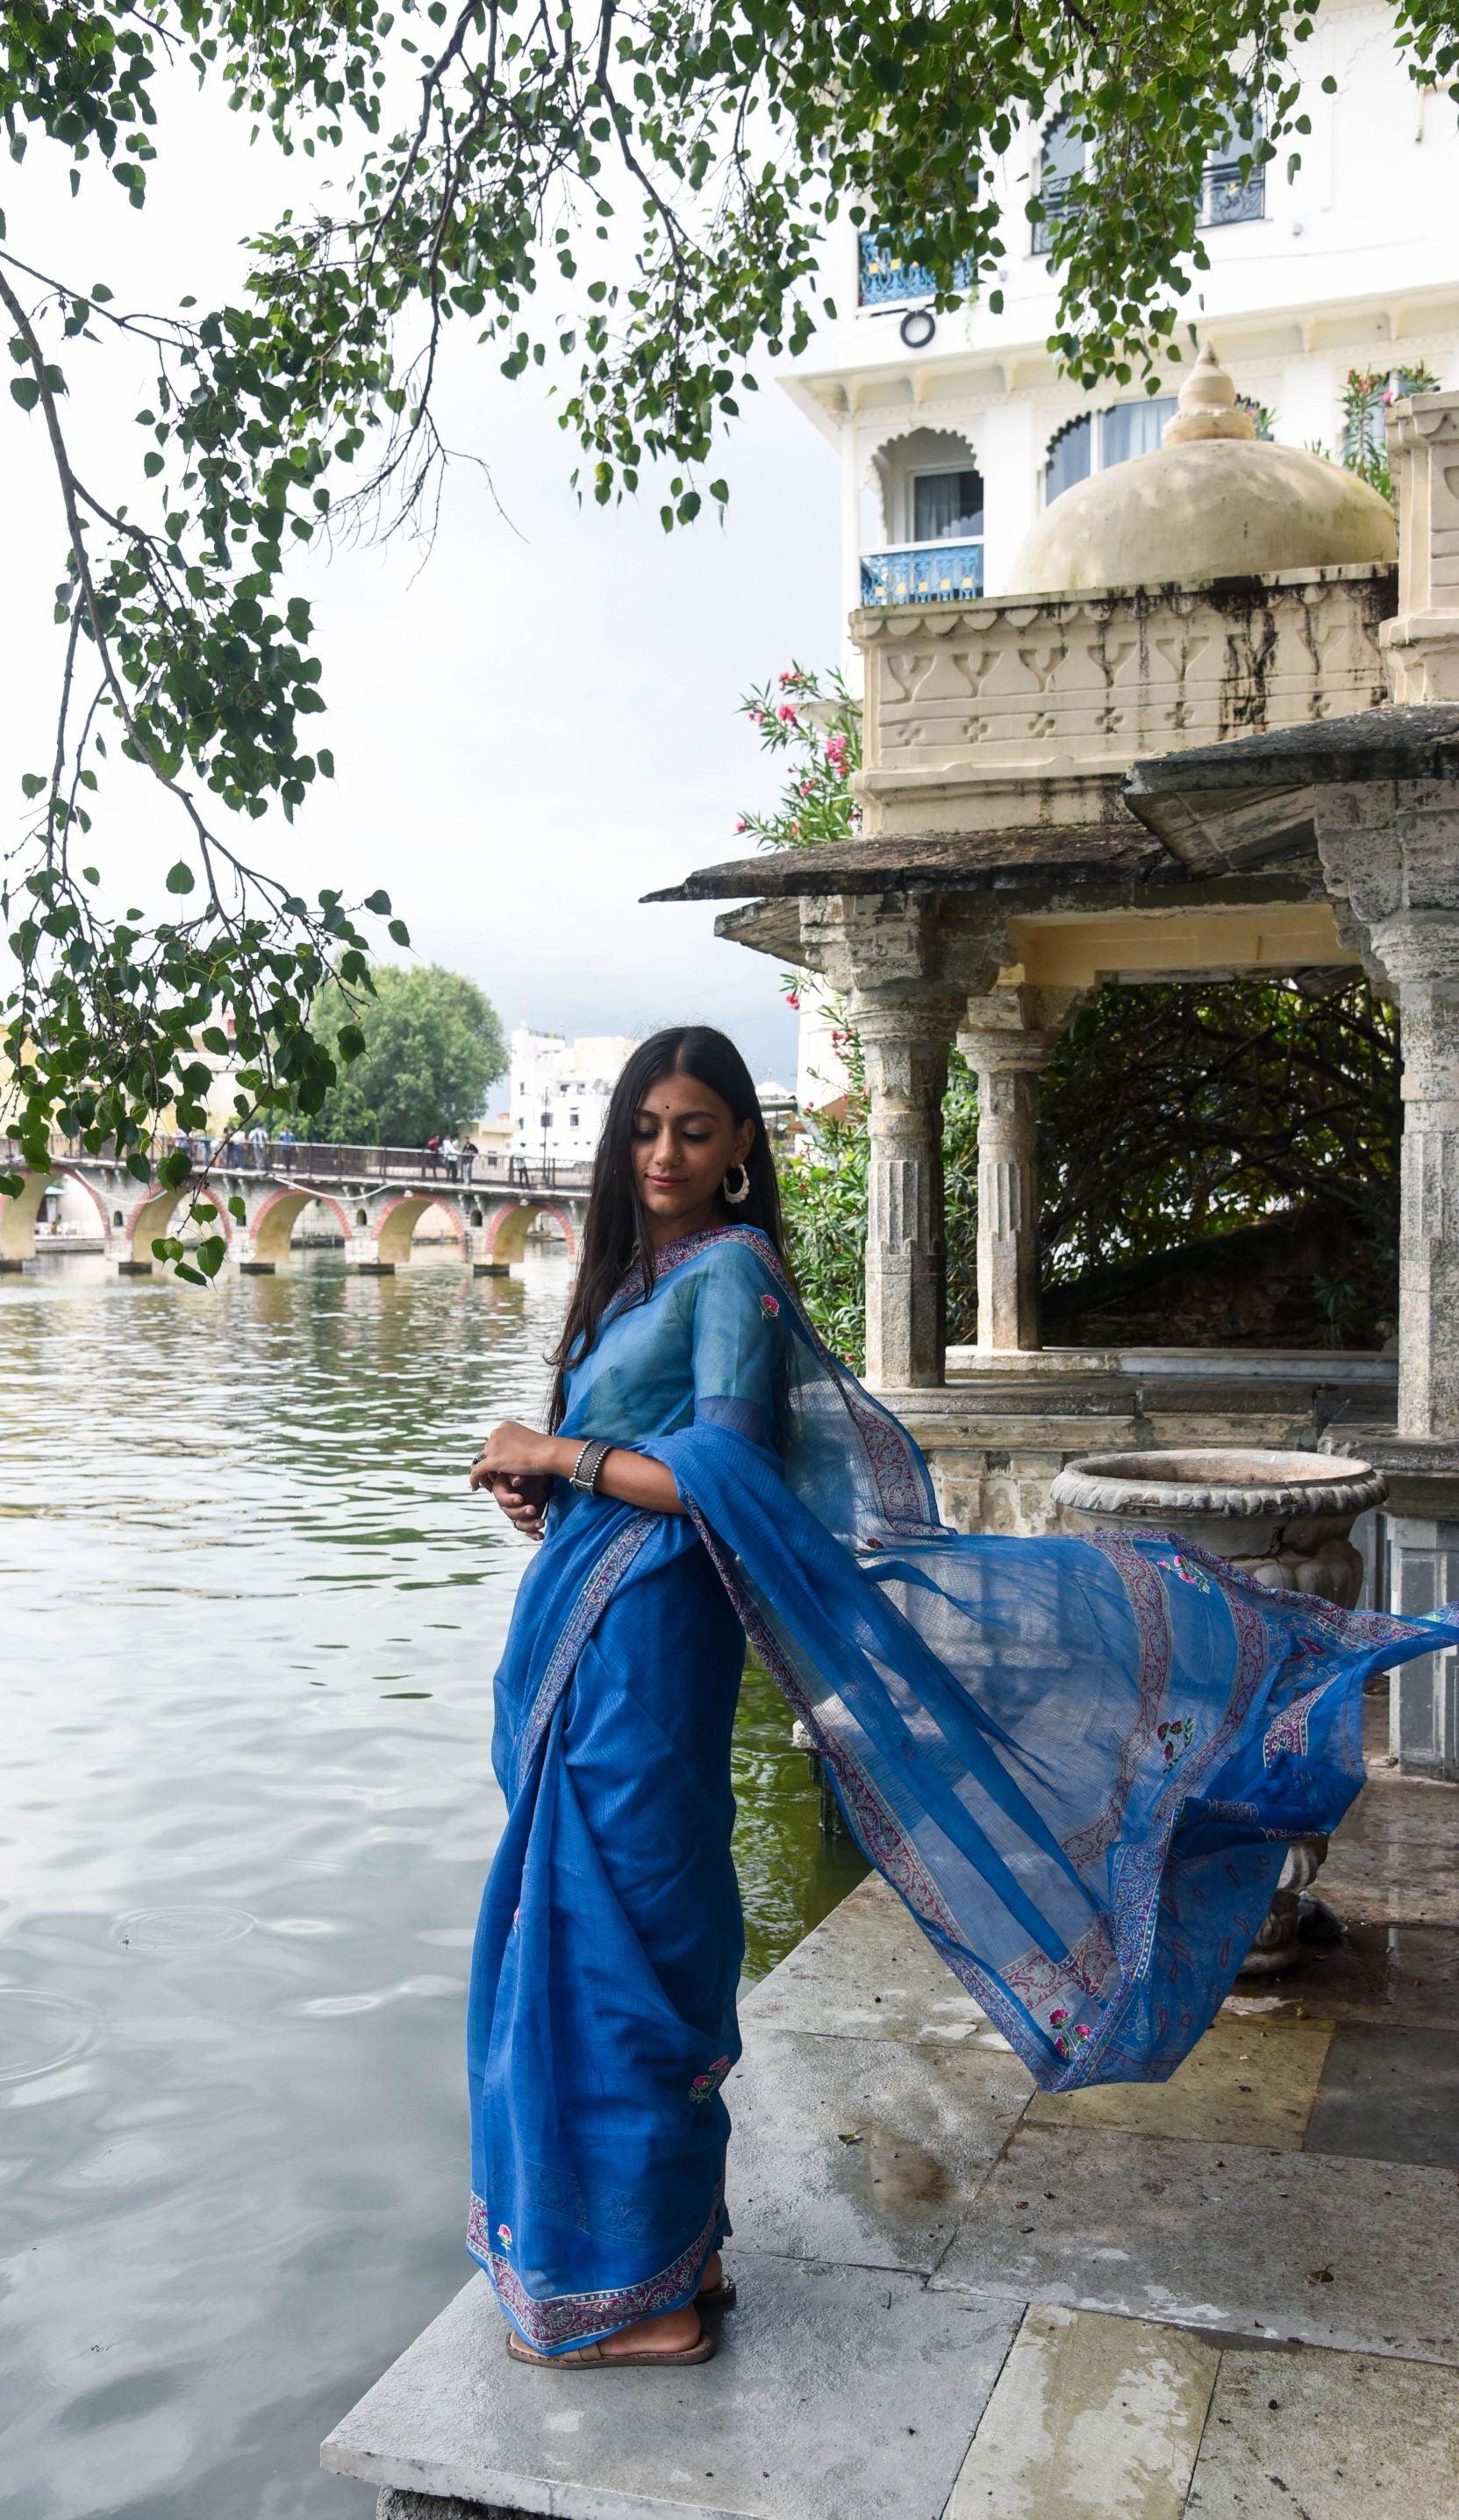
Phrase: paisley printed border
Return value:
(570, 2316)
(1149, 1608)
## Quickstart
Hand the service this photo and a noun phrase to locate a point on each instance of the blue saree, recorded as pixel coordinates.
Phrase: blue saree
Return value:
(1079, 1762)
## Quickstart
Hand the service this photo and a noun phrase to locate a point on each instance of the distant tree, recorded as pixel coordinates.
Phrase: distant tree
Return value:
(431, 1046)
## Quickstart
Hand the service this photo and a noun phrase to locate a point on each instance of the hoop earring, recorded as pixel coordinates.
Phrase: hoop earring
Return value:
(738, 1197)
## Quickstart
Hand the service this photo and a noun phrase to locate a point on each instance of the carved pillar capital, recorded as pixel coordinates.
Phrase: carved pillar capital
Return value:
(881, 948)
(1421, 647)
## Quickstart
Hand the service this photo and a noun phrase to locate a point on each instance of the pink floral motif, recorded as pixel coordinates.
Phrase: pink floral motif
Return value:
(770, 1305)
(1174, 1738)
(504, 2234)
(704, 2085)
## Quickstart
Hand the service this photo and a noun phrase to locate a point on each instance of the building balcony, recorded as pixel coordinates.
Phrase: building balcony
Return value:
(922, 573)
(887, 279)
(1227, 202)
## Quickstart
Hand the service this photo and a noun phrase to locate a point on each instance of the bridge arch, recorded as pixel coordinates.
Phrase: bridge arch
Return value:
(109, 1218)
(17, 1217)
(396, 1228)
(507, 1231)
(152, 1218)
(20, 1215)
(273, 1222)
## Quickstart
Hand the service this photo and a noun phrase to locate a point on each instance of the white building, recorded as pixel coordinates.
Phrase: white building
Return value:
(955, 430)
(559, 1093)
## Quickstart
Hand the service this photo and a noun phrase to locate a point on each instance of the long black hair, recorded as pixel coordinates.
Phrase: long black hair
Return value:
(615, 1231)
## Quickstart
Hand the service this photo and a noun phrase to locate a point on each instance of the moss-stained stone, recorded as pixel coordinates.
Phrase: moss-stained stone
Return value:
(1247, 2082)
(1094, 2418)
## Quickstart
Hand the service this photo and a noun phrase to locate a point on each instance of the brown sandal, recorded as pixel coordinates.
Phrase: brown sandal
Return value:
(592, 2358)
(719, 2296)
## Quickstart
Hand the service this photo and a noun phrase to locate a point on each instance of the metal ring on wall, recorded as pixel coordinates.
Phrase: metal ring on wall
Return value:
(918, 327)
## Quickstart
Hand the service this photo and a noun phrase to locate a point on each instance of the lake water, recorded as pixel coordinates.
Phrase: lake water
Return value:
(248, 1617)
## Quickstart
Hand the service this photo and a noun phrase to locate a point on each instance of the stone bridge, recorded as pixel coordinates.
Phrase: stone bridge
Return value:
(376, 1196)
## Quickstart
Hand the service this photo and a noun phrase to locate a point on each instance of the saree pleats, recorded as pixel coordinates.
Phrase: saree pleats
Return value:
(607, 1958)
(1079, 1762)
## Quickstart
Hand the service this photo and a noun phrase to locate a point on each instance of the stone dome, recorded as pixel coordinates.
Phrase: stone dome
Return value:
(1212, 501)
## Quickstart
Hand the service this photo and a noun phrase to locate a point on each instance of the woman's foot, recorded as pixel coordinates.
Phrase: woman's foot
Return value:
(670, 2333)
(712, 2277)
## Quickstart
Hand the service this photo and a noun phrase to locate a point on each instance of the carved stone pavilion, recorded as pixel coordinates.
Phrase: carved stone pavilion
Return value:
(1211, 732)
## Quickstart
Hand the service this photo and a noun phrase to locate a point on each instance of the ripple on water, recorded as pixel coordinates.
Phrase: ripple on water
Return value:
(39, 2032)
(181, 1929)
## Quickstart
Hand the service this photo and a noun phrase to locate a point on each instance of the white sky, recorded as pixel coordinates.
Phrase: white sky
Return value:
(530, 731)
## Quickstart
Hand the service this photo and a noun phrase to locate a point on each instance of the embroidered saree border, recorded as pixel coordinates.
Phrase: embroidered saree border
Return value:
(602, 1582)
(571, 2318)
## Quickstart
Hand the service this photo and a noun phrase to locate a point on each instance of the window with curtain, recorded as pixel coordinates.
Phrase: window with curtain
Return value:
(1132, 428)
(946, 507)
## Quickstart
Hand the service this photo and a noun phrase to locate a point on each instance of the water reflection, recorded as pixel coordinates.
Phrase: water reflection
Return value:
(249, 1618)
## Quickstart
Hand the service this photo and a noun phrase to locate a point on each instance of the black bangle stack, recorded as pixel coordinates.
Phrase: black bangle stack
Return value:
(584, 1475)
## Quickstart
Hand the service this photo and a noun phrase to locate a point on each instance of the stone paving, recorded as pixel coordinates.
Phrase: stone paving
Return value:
(1234, 2296)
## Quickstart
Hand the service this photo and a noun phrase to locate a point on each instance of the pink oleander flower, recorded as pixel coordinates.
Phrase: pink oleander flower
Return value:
(795, 831)
(835, 750)
(757, 717)
(792, 999)
(787, 715)
(739, 826)
(806, 787)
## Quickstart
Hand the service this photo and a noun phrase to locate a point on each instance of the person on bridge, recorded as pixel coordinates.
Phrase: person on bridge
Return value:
(259, 1146)
(469, 1154)
(451, 1159)
(1077, 1761)
(286, 1142)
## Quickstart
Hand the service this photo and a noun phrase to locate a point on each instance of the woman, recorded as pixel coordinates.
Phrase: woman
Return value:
(1077, 1761)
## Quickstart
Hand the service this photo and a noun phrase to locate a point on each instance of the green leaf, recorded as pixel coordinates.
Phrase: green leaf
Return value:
(180, 876)
(26, 391)
(398, 933)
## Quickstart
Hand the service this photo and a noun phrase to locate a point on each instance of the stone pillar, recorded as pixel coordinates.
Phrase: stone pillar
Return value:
(905, 964)
(1419, 950)
(1421, 647)
(1389, 854)
(906, 1048)
(1004, 1045)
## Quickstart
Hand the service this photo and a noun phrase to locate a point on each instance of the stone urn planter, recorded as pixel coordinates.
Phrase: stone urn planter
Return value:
(1284, 1518)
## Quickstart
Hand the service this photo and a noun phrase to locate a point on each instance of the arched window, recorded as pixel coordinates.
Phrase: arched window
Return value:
(1070, 458)
(923, 526)
(1062, 157)
(1098, 440)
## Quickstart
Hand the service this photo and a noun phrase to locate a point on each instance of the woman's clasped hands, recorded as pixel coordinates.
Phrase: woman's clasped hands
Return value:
(517, 1465)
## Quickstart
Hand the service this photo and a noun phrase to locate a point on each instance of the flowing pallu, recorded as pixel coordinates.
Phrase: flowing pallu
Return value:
(1079, 1762)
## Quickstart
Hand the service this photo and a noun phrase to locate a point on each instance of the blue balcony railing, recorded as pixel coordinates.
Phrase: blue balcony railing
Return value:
(923, 573)
(886, 277)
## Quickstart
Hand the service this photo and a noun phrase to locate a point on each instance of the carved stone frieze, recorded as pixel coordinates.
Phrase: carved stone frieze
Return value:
(999, 714)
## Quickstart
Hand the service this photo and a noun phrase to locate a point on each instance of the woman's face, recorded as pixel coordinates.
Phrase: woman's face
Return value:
(685, 1141)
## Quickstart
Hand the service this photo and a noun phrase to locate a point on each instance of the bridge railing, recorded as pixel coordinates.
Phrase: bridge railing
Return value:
(311, 1159)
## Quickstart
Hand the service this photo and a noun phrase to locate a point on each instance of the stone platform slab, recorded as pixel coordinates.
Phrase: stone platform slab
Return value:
(1230, 2296)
